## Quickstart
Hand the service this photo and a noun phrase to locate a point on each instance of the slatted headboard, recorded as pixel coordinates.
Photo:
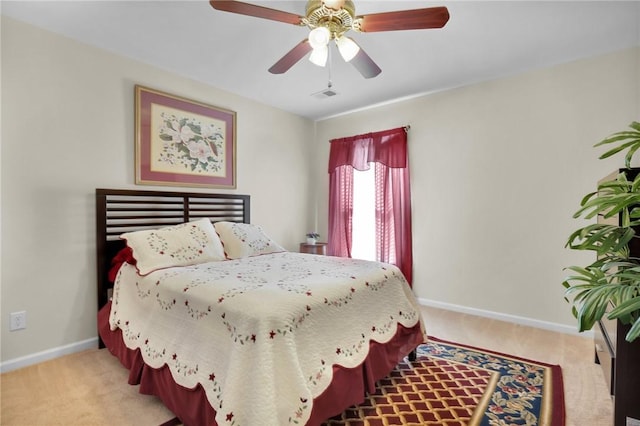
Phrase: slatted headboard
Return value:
(123, 210)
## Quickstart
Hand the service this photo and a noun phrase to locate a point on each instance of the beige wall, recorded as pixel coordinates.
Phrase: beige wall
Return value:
(68, 127)
(497, 171)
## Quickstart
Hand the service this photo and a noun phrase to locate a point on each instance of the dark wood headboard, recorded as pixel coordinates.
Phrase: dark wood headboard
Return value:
(124, 210)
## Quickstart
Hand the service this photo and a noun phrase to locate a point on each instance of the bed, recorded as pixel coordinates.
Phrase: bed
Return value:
(260, 336)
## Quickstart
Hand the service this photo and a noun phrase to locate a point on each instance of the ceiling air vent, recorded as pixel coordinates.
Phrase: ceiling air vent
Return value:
(326, 93)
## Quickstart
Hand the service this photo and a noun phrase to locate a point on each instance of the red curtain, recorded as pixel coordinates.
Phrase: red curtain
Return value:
(388, 151)
(388, 147)
(340, 211)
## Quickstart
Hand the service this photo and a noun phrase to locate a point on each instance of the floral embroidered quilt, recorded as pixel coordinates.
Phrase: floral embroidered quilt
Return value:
(261, 334)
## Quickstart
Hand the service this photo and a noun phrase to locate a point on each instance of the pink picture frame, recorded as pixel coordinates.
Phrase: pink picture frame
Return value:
(181, 142)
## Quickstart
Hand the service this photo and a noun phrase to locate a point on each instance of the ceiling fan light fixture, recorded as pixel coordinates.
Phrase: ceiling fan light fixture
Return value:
(333, 4)
(319, 56)
(319, 37)
(330, 20)
(347, 47)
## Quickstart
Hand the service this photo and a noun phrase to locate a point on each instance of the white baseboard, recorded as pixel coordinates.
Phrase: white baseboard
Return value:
(561, 328)
(25, 361)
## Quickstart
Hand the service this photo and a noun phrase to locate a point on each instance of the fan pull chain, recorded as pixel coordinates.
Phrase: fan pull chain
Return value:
(329, 83)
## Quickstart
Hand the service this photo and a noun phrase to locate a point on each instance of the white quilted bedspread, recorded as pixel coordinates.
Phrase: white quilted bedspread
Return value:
(261, 334)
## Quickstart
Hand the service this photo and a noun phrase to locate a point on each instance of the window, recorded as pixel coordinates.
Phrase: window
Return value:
(364, 215)
(355, 162)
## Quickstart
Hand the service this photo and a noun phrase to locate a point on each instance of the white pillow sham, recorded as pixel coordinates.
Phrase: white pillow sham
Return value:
(244, 240)
(185, 244)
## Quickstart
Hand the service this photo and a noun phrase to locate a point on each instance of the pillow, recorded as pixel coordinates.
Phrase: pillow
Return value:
(178, 245)
(244, 240)
(124, 255)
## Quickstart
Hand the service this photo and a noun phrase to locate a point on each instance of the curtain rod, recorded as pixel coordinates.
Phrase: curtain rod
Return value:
(405, 128)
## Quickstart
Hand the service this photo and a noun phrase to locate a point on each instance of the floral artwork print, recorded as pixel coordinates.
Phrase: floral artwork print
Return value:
(190, 144)
(183, 142)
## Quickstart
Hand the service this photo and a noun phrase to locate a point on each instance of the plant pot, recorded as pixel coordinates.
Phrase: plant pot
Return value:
(311, 240)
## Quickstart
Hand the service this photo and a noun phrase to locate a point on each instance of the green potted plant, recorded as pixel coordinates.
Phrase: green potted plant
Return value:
(614, 275)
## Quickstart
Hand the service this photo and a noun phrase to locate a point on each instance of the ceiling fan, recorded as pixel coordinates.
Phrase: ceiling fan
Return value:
(330, 20)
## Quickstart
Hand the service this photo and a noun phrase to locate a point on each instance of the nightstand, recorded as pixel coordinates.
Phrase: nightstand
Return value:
(317, 248)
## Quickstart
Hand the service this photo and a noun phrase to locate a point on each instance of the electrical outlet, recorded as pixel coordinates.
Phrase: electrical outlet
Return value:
(18, 321)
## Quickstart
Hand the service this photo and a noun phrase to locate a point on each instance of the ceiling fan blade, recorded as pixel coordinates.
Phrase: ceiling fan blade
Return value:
(365, 65)
(290, 59)
(417, 19)
(255, 10)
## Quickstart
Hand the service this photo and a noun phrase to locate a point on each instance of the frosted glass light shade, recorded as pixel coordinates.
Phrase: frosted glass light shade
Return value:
(334, 4)
(319, 56)
(347, 47)
(319, 37)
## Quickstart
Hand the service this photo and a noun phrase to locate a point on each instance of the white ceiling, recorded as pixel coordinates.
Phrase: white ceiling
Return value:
(482, 41)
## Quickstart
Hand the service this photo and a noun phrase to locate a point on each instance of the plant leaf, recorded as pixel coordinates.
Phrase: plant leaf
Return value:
(634, 331)
(625, 308)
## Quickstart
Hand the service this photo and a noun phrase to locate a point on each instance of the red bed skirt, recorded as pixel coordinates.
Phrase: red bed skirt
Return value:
(191, 406)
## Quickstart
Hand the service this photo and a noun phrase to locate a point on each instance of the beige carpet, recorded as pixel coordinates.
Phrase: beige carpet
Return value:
(90, 388)
(87, 388)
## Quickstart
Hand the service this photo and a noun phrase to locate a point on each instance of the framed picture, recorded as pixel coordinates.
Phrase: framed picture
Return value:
(183, 142)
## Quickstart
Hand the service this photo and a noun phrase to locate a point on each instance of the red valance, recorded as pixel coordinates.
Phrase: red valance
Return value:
(388, 147)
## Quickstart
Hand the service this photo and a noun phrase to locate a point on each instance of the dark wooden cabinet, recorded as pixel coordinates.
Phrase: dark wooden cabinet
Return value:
(619, 359)
(620, 362)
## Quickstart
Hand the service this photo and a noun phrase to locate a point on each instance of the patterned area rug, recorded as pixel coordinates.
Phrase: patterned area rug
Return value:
(452, 384)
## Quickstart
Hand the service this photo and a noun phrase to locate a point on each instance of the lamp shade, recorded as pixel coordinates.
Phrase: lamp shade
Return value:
(347, 47)
(319, 37)
(319, 56)
(333, 4)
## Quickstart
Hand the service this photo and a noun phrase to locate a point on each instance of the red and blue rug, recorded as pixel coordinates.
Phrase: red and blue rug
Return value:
(452, 384)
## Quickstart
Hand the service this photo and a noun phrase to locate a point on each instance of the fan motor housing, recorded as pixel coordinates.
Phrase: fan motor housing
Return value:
(337, 21)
